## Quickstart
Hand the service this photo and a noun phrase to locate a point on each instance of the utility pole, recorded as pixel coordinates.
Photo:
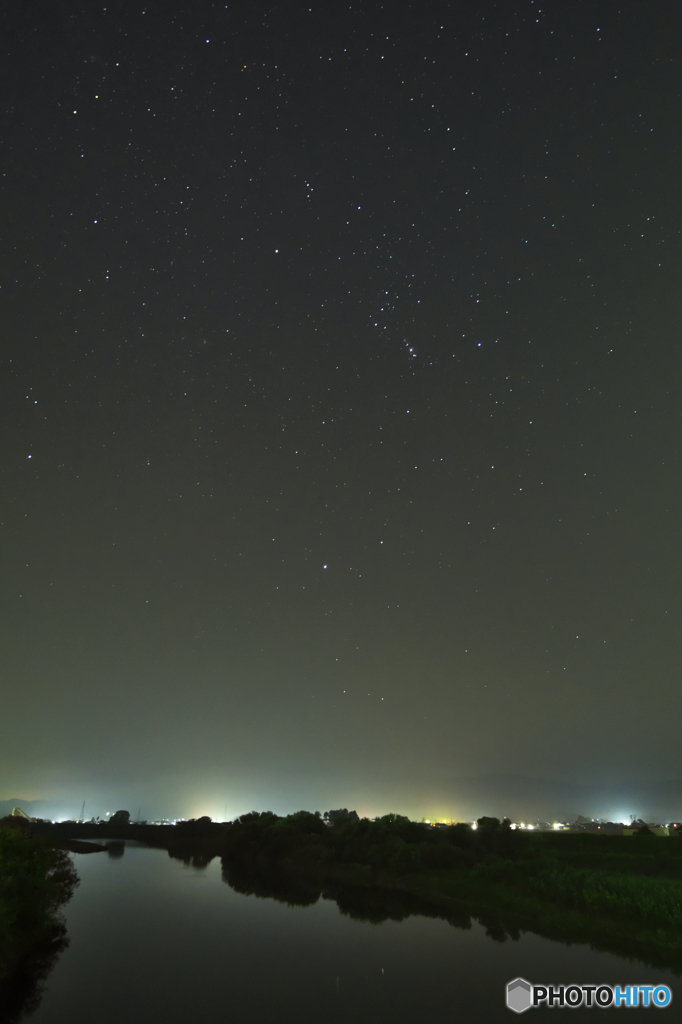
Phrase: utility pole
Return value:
(82, 813)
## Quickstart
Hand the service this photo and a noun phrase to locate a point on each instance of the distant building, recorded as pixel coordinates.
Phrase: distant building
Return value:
(658, 830)
(18, 813)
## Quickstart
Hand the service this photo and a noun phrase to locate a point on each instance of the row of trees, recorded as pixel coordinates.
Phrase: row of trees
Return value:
(390, 842)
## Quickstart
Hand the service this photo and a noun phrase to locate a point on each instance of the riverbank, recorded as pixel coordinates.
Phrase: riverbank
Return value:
(37, 879)
(622, 894)
(508, 912)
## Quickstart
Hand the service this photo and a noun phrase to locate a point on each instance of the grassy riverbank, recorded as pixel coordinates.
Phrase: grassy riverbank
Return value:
(517, 907)
(617, 893)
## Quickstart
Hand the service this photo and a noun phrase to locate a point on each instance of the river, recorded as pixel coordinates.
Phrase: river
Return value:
(153, 939)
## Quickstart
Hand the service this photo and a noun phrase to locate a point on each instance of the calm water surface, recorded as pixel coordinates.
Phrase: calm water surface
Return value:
(154, 940)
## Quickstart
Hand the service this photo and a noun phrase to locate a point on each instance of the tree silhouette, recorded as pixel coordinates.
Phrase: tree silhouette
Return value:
(120, 818)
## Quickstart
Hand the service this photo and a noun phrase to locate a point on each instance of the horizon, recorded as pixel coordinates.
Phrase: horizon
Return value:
(526, 799)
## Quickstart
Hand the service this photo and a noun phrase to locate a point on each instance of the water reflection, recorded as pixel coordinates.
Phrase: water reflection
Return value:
(293, 890)
(21, 993)
(375, 905)
(289, 949)
(361, 903)
(191, 858)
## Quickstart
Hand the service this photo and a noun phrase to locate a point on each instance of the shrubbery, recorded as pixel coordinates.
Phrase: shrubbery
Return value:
(390, 843)
(587, 872)
(35, 882)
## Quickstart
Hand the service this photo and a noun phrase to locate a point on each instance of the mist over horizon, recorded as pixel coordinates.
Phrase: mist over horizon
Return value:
(517, 797)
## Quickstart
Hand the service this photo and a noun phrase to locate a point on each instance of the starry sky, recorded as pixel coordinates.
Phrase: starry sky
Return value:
(341, 416)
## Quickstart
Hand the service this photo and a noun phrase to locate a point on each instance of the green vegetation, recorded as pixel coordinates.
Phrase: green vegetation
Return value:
(35, 882)
(600, 889)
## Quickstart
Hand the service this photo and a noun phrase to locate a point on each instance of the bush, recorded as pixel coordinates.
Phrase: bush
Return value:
(35, 882)
(440, 856)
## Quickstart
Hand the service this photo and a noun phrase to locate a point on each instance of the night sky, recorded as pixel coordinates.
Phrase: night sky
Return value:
(341, 401)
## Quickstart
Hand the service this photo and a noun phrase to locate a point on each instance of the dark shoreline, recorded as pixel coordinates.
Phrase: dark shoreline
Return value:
(37, 879)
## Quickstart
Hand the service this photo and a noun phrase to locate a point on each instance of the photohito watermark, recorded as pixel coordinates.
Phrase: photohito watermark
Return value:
(521, 995)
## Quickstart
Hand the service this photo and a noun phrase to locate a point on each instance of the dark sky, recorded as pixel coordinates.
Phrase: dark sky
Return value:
(341, 398)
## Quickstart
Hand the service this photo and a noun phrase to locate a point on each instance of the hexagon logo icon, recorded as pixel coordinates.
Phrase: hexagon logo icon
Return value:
(518, 995)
